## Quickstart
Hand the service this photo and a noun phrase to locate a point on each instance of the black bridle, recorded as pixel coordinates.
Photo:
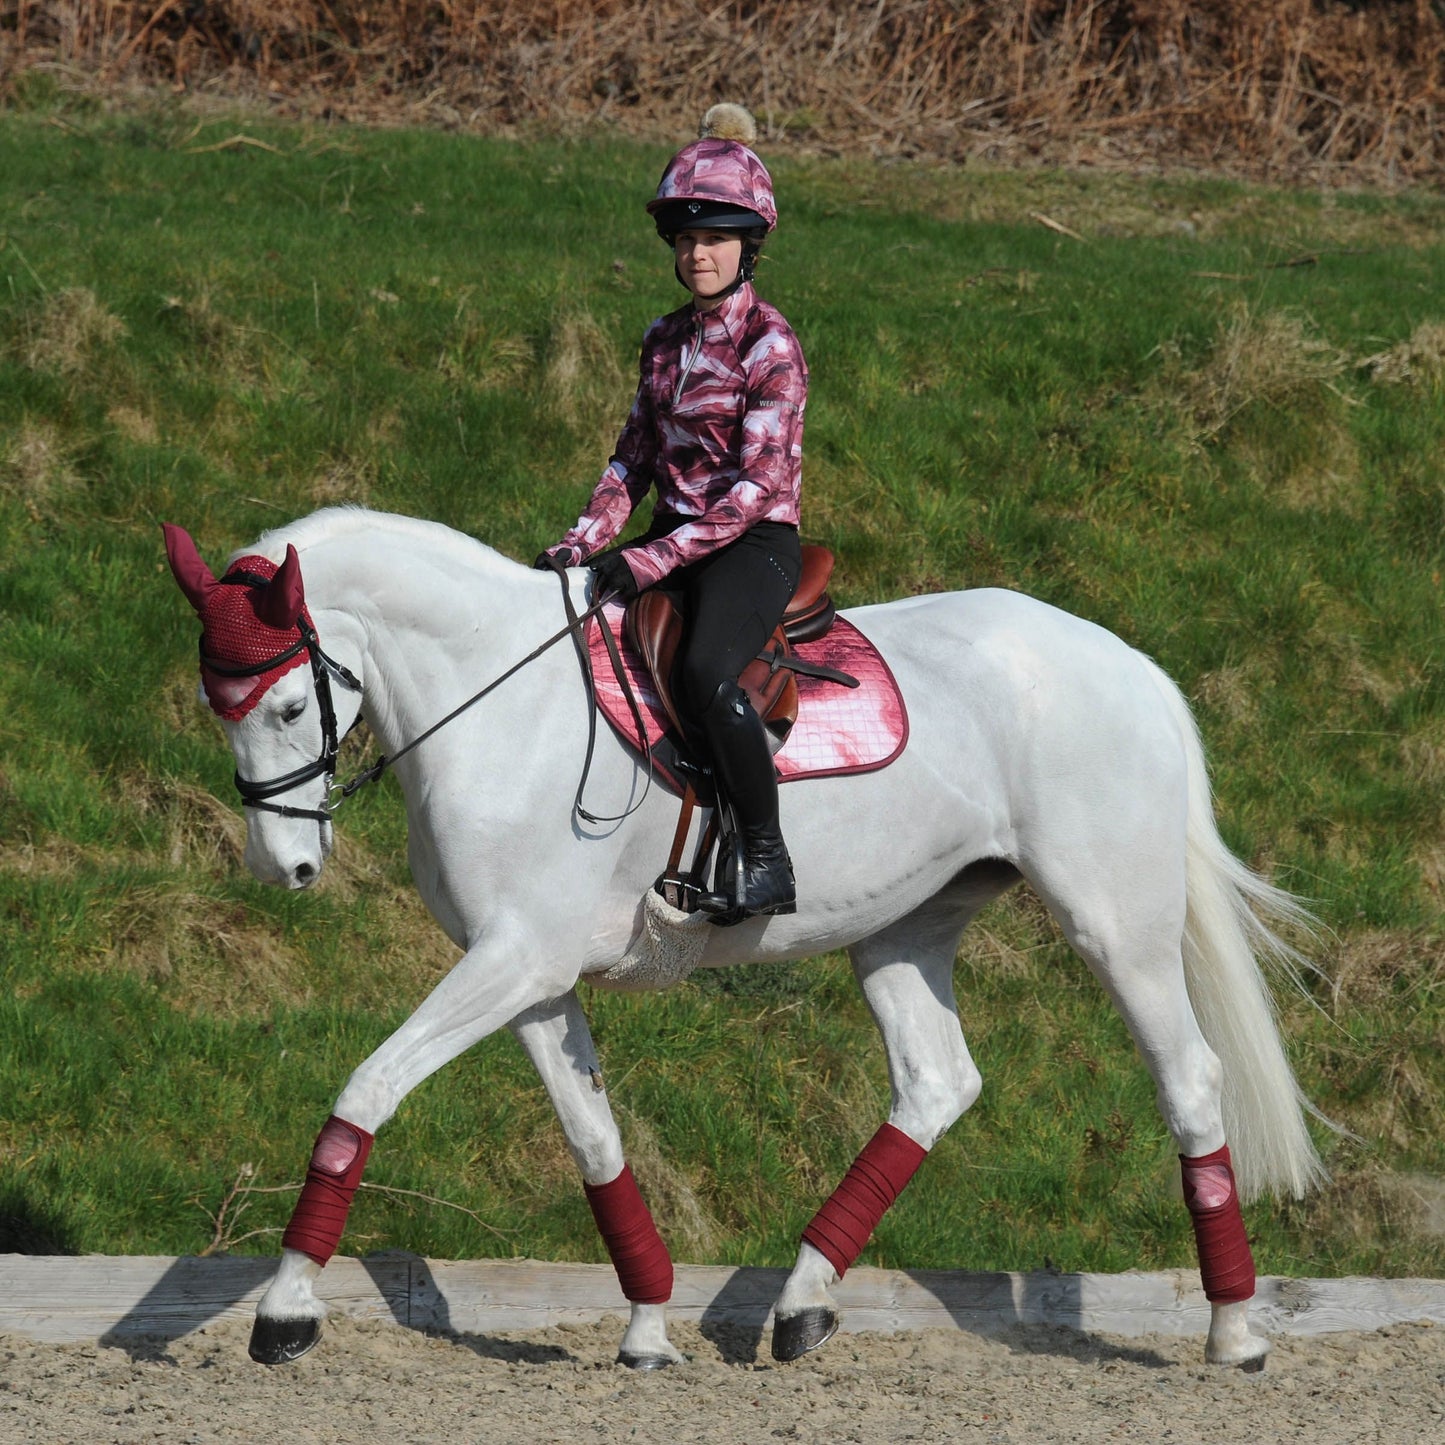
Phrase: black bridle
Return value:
(323, 669)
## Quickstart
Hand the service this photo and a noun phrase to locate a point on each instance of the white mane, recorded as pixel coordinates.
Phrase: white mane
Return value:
(331, 523)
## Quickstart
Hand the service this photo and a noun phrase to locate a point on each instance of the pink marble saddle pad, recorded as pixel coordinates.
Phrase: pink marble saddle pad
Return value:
(839, 729)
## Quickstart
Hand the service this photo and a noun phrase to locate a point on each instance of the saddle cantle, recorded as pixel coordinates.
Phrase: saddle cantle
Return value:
(653, 625)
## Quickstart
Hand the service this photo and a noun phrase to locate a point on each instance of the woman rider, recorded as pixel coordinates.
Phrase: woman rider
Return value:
(716, 429)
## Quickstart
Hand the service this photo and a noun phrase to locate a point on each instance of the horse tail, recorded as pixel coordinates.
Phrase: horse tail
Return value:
(1231, 919)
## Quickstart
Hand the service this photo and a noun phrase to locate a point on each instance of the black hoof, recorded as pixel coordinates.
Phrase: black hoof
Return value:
(278, 1342)
(1252, 1367)
(642, 1362)
(794, 1336)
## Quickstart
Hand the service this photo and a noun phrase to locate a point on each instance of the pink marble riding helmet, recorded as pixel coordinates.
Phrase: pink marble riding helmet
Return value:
(717, 181)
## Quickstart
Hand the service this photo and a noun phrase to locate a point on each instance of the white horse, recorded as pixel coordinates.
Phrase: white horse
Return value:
(1042, 748)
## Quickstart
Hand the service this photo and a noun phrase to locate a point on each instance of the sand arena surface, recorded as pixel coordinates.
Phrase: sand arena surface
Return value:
(375, 1382)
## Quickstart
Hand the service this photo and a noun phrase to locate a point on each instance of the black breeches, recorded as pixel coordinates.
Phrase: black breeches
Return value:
(731, 602)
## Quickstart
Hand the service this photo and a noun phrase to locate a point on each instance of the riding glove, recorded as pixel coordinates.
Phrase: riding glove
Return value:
(565, 555)
(614, 575)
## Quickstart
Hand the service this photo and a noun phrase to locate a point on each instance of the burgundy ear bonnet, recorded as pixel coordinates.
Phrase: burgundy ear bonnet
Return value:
(249, 631)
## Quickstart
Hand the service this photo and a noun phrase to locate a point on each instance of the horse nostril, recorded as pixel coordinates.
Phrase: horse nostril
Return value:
(305, 874)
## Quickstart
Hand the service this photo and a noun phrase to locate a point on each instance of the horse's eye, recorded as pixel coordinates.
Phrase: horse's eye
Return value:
(294, 711)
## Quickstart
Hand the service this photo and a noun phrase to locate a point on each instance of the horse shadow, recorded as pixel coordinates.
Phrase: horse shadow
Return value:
(191, 1292)
(1040, 1313)
(736, 1317)
(29, 1228)
(1032, 1314)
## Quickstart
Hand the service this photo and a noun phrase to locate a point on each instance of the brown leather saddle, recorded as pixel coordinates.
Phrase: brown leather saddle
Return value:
(654, 623)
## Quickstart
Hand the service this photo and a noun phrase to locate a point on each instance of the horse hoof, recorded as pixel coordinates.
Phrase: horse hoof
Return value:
(794, 1336)
(279, 1341)
(642, 1362)
(1252, 1367)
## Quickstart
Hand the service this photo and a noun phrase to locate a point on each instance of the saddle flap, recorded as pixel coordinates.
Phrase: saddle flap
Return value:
(654, 628)
(772, 690)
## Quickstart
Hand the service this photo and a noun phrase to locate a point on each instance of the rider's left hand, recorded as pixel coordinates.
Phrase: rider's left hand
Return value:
(614, 575)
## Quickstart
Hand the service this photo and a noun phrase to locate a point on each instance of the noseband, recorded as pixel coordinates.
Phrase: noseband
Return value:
(323, 669)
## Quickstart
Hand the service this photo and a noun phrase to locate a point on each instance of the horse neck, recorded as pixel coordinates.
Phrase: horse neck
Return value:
(422, 614)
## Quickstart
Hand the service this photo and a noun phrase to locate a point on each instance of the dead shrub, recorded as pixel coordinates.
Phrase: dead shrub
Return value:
(1372, 1205)
(37, 466)
(68, 330)
(1268, 359)
(1387, 965)
(1232, 691)
(479, 357)
(689, 1226)
(1419, 360)
(1423, 754)
(209, 956)
(583, 379)
(1339, 90)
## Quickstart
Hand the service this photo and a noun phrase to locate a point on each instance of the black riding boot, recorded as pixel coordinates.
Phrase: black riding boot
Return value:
(743, 766)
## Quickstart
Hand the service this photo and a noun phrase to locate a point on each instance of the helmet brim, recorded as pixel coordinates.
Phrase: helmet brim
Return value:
(677, 214)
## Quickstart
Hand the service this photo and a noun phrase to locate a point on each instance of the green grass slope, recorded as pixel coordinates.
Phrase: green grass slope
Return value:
(1207, 416)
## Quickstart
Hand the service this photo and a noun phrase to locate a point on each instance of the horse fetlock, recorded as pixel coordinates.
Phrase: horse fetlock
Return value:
(291, 1295)
(288, 1316)
(1231, 1341)
(646, 1346)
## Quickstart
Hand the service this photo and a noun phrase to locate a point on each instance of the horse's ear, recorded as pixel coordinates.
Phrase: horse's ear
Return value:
(281, 601)
(191, 573)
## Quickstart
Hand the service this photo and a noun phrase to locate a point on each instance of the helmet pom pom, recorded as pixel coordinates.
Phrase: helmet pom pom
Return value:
(728, 121)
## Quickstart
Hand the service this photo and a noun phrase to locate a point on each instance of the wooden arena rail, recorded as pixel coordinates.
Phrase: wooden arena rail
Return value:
(110, 1299)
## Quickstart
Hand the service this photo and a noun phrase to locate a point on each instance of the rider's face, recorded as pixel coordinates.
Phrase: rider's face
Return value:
(708, 262)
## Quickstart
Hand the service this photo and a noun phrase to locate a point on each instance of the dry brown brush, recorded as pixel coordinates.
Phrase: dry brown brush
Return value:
(1337, 91)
